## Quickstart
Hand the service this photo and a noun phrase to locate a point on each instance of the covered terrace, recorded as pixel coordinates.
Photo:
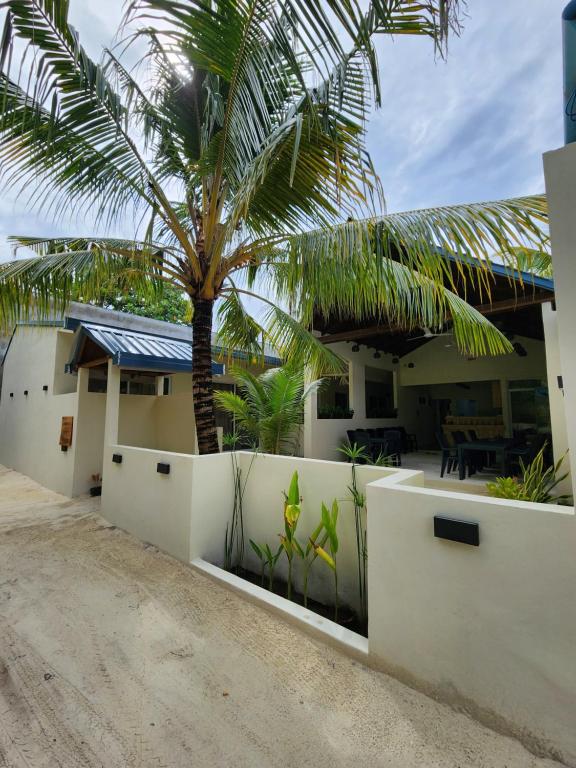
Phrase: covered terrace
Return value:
(418, 382)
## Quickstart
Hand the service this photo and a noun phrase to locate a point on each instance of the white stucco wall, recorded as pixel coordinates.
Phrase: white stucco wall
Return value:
(89, 445)
(560, 173)
(175, 425)
(323, 437)
(492, 628)
(320, 481)
(555, 393)
(30, 425)
(153, 507)
(434, 363)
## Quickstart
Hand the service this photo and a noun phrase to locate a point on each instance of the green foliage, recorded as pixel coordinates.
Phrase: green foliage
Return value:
(234, 543)
(317, 539)
(356, 454)
(536, 484)
(288, 540)
(329, 521)
(335, 412)
(268, 559)
(166, 304)
(236, 145)
(269, 408)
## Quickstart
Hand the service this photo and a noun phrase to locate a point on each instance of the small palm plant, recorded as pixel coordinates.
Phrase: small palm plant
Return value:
(269, 408)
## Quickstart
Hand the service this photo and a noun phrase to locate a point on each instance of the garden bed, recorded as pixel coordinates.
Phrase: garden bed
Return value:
(347, 617)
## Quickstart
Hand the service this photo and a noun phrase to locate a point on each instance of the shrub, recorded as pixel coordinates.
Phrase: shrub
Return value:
(536, 484)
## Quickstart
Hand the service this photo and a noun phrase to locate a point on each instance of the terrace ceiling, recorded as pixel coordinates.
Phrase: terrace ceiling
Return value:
(513, 306)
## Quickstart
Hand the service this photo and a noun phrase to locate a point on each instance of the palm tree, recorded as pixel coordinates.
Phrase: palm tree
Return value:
(270, 407)
(236, 146)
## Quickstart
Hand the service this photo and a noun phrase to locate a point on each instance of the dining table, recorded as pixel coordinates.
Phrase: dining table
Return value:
(498, 447)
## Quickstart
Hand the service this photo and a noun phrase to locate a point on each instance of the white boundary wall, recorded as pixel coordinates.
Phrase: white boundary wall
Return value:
(490, 629)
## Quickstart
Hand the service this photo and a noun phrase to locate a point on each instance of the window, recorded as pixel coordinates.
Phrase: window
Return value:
(130, 383)
(334, 398)
(380, 394)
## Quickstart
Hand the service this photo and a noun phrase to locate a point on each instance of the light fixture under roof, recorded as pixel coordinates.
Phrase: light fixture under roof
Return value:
(356, 348)
(377, 355)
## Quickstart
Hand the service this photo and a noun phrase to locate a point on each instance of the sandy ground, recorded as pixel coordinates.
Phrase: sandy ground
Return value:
(115, 655)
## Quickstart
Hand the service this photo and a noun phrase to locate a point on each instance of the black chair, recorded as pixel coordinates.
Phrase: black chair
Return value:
(481, 460)
(360, 438)
(393, 445)
(449, 454)
(526, 452)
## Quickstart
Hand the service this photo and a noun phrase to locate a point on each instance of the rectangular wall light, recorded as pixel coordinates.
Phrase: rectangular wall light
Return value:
(462, 531)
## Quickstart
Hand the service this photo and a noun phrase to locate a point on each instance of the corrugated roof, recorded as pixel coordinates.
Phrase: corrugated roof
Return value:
(142, 351)
(131, 349)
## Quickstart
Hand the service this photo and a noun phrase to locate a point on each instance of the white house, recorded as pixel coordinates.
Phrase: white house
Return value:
(55, 375)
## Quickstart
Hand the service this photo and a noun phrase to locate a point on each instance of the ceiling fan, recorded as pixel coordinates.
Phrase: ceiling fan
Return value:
(429, 334)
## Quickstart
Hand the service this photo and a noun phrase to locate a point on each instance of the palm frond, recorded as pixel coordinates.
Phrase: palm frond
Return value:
(285, 334)
(66, 127)
(42, 287)
(429, 241)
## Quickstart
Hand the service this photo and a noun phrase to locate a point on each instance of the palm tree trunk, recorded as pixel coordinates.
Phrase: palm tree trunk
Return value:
(202, 376)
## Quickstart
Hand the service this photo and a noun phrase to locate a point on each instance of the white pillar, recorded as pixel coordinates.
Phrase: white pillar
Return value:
(357, 383)
(555, 392)
(112, 405)
(560, 172)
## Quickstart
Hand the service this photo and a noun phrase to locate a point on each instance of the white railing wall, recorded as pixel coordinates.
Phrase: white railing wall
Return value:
(489, 628)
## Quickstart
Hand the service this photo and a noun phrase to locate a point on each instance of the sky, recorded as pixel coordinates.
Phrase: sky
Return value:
(469, 128)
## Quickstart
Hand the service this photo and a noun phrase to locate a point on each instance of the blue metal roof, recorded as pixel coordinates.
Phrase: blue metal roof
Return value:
(145, 351)
(136, 350)
(502, 270)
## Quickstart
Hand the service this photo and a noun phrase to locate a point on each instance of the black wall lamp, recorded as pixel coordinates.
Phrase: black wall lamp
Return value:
(461, 531)
(11, 394)
(520, 350)
(355, 348)
(117, 458)
(163, 469)
(377, 355)
(45, 388)
(26, 392)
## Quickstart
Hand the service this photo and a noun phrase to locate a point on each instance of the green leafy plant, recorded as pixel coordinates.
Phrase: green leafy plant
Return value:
(234, 542)
(356, 454)
(310, 554)
(268, 559)
(536, 484)
(289, 542)
(329, 521)
(168, 303)
(269, 408)
(335, 412)
(238, 149)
